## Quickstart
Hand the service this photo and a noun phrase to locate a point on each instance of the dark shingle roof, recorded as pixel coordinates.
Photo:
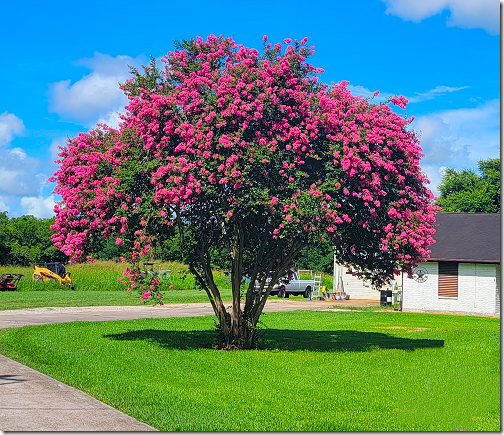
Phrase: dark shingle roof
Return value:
(467, 237)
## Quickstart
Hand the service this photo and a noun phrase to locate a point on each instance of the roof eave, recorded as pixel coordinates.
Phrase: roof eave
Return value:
(462, 260)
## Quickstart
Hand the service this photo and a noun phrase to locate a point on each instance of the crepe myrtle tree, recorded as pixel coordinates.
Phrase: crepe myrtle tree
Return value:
(249, 152)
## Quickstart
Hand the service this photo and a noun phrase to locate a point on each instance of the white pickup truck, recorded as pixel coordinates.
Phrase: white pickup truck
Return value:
(295, 286)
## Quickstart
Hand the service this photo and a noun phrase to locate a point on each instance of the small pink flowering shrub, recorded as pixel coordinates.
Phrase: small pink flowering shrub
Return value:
(147, 285)
(247, 151)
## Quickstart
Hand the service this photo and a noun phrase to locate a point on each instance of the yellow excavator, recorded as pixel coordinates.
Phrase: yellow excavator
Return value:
(55, 271)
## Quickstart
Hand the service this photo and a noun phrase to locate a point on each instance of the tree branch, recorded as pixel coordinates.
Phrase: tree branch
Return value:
(249, 298)
(236, 275)
(219, 305)
(261, 301)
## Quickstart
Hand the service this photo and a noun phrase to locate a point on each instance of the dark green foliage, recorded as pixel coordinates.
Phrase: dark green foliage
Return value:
(26, 240)
(4, 238)
(169, 250)
(318, 256)
(109, 250)
(468, 191)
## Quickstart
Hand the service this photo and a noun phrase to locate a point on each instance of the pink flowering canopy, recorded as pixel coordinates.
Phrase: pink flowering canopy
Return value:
(251, 152)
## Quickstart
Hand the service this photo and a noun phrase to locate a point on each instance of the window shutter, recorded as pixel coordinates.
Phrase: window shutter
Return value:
(448, 279)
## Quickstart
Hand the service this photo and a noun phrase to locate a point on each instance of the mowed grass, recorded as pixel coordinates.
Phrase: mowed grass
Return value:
(67, 298)
(96, 284)
(312, 371)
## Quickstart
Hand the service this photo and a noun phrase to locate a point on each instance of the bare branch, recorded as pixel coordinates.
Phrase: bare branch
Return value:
(259, 306)
(251, 288)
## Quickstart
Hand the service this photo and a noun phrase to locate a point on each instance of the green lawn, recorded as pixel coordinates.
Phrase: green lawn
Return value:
(312, 371)
(97, 284)
(69, 298)
(103, 276)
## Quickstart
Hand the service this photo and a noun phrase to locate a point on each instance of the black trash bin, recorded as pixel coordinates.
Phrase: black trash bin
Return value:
(385, 297)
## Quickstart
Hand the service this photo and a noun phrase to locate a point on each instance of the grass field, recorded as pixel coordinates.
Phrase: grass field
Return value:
(96, 284)
(103, 276)
(68, 298)
(312, 371)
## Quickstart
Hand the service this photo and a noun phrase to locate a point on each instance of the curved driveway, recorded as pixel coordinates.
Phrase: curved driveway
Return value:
(42, 316)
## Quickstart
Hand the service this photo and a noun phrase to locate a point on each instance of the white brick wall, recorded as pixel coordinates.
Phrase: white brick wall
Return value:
(497, 290)
(476, 290)
(421, 296)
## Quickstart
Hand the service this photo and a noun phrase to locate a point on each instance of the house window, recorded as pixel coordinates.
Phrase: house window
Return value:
(448, 279)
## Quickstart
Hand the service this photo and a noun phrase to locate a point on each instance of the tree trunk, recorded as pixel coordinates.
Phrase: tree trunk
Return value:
(241, 338)
(236, 279)
(240, 332)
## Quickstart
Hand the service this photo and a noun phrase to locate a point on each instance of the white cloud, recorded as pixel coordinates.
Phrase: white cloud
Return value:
(417, 98)
(19, 173)
(96, 95)
(366, 93)
(88, 99)
(439, 142)
(3, 205)
(467, 14)
(19, 153)
(10, 125)
(458, 138)
(110, 66)
(433, 93)
(468, 120)
(112, 118)
(434, 174)
(54, 147)
(38, 206)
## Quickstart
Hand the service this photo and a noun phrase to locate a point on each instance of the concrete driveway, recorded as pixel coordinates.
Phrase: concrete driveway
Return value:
(41, 316)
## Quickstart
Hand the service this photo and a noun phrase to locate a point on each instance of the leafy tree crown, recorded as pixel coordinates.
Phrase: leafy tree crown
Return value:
(249, 151)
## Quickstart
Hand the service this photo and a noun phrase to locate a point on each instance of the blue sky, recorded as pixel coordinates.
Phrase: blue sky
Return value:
(62, 61)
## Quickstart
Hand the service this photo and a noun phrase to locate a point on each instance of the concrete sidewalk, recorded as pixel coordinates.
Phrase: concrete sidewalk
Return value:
(32, 401)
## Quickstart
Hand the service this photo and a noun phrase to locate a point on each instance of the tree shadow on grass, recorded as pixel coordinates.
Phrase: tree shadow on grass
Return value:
(171, 339)
(282, 339)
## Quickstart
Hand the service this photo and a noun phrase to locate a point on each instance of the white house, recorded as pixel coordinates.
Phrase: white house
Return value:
(355, 287)
(462, 274)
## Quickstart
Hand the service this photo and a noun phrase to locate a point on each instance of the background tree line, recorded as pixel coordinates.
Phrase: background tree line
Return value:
(26, 240)
(470, 191)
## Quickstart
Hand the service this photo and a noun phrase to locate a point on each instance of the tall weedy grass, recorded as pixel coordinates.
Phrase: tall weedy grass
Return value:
(97, 284)
(103, 276)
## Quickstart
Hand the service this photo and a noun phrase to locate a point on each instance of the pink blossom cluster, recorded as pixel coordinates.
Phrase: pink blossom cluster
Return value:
(251, 133)
(146, 284)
